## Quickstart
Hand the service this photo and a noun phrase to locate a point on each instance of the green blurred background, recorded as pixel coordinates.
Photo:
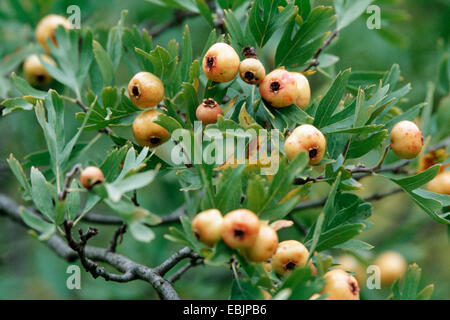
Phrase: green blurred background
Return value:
(415, 38)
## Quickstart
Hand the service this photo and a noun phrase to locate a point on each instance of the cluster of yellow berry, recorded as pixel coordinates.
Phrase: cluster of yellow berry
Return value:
(280, 88)
(34, 71)
(257, 241)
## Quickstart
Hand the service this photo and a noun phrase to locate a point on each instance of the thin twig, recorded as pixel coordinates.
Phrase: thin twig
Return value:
(188, 163)
(69, 177)
(315, 60)
(180, 272)
(167, 265)
(360, 172)
(134, 198)
(106, 219)
(117, 238)
(321, 202)
(178, 18)
(90, 266)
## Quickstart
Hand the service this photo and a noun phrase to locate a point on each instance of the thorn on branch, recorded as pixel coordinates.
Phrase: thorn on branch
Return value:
(117, 238)
(134, 198)
(81, 105)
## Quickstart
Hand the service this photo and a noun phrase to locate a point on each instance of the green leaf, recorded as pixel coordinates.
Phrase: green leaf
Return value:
(349, 10)
(234, 28)
(44, 228)
(431, 203)
(104, 62)
(73, 61)
(191, 101)
(186, 56)
(42, 193)
(354, 244)
(410, 284)
(358, 148)
(114, 45)
(229, 188)
(73, 201)
(284, 207)
(131, 213)
(295, 50)
(365, 78)
(14, 60)
(13, 104)
(136, 181)
(132, 164)
(168, 123)
(315, 236)
(331, 100)
(243, 289)
(86, 57)
(280, 186)
(293, 115)
(357, 130)
(256, 195)
(304, 7)
(23, 87)
(325, 216)
(443, 117)
(410, 114)
(141, 232)
(162, 61)
(18, 172)
(338, 235)
(205, 11)
(302, 284)
(189, 235)
(221, 255)
(178, 4)
(264, 26)
(426, 293)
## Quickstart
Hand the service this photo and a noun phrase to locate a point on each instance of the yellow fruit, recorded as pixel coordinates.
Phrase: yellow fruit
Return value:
(34, 71)
(208, 111)
(304, 91)
(207, 226)
(349, 263)
(145, 90)
(91, 176)
(279, 88)
(46, 29)
(392, 266)
(240, 229)
(252, 71)
(306, 138)
(221, 63)
(265, 245)
(289, 255)
(339, 285)
(440, 183)
(147, 132)
(406, 140)
(266, 294)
